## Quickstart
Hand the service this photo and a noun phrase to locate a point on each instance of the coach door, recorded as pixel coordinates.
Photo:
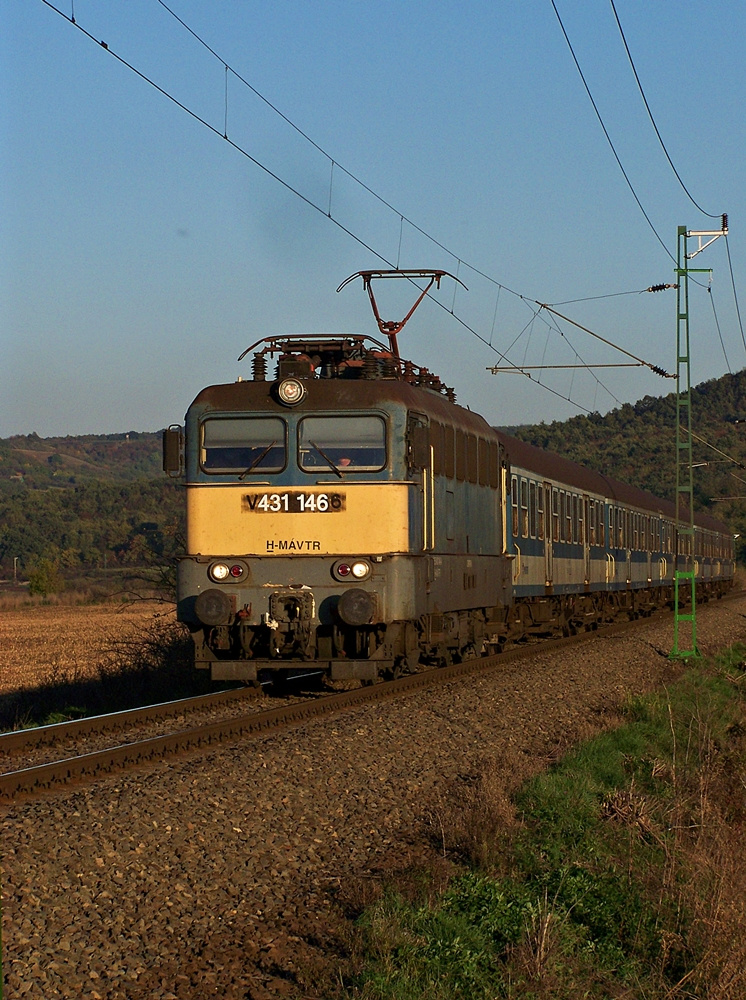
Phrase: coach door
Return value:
(584, 531)
(548, 527)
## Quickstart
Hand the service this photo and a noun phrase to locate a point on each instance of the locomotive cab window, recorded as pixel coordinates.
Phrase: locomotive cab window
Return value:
(342, 444)
(243, 445)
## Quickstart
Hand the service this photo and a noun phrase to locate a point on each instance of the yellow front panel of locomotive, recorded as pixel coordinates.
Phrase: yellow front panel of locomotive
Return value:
(245, 520)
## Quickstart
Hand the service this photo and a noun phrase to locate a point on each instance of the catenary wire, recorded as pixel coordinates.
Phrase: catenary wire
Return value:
(403, 218)
(735, 295)
(311, 203)
(606, 133)
(652, 120)
(717, 326)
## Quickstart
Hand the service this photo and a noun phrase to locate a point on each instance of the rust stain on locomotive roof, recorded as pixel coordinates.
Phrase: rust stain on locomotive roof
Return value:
(345, 394)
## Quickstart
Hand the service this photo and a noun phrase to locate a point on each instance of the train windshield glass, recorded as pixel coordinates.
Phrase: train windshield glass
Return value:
(342, 444)
(243, 444)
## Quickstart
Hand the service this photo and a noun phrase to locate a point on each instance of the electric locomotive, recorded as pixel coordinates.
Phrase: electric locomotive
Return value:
(345, 514)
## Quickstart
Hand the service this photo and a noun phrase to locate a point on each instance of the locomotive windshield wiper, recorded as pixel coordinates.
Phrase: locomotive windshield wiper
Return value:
(326, 458)
(257, 460)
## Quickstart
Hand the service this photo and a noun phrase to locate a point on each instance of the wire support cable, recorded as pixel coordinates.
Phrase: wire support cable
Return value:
(612, 295)
(647, 364)
(699, 208)
(717, 326)
(735, 294)
(608, 137)
(528, 368)
(325, 211)
(730, 458)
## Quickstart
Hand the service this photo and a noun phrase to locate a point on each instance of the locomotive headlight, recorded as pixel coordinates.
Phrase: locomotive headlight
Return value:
(291, 391)
(359, 569)
(219, 572)
(227, 572)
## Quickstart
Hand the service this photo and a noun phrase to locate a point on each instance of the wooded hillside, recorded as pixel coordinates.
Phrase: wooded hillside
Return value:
(85, 503)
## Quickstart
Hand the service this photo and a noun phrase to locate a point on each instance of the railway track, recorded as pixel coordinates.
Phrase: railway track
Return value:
(25, 739)
(40, 778)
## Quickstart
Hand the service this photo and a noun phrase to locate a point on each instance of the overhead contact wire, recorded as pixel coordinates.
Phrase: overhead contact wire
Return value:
(652, 120)
(361, 242)
(606, 133)
(735, 294)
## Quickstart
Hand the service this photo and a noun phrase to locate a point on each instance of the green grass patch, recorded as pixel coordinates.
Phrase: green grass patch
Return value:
(622, 877)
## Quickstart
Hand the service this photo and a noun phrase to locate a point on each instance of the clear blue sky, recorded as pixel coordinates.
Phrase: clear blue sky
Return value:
(141, 253)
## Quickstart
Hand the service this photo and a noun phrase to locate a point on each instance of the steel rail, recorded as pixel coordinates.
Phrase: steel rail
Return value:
(44, 777)
(44, 735)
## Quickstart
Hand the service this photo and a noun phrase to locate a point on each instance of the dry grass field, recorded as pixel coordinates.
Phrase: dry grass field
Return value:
(58, 643)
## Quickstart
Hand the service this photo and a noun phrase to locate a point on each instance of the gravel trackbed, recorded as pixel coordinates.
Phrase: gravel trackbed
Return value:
(219, 874)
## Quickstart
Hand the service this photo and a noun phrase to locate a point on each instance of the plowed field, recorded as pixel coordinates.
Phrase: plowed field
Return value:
(45, 644)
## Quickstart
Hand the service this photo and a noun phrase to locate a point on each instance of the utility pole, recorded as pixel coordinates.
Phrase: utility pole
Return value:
(685, 567)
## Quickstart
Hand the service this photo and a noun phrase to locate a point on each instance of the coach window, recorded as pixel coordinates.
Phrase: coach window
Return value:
(540, 510)
(601, 523)
(532, 508)
(514, 504)
(555, 515)
(342, 444)
(569, 536)
(592, 523)
(524, 507)
(243, 445)
(578, 519)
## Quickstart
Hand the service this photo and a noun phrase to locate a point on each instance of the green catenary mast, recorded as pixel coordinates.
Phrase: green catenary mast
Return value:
(685, 570)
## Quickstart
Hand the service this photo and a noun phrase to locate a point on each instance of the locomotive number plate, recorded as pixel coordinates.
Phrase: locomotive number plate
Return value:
(295, 503)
